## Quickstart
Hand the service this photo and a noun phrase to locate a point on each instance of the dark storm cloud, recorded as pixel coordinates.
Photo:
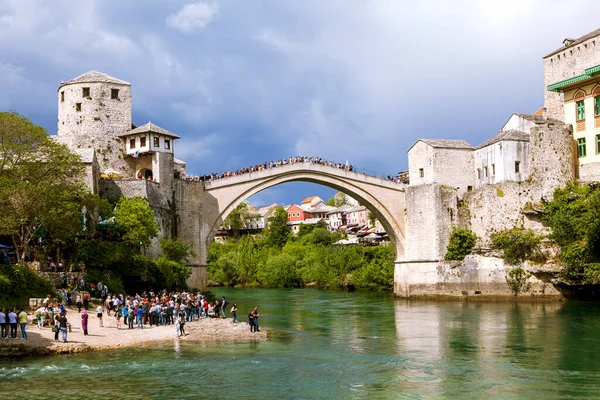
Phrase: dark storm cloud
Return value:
(247, 81)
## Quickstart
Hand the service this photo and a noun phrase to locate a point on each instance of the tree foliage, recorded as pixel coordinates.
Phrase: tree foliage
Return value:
(310, 259)
(40, 186)
(238, 219)
(574, 219)
(461, 244)
(518, 245)
(277, 231)
(136, 219)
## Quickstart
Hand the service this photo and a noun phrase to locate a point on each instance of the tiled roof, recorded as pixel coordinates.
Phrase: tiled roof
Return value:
(86, 155)
(576, 42)
(93, 77)
(308, 199)
(513, 135)
(149, 127)
(448, 144)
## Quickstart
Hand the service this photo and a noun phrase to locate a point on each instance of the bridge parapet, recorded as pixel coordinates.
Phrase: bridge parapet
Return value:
(304, 167)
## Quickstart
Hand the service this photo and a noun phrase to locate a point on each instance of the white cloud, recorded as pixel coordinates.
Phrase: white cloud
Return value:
(192, 17)
(190, 148)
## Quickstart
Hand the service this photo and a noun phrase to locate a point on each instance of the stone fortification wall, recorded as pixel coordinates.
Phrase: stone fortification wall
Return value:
(478, 277)
(493, 208)
(565, 63)
(430, 213)
(95, 121)
(189, 200)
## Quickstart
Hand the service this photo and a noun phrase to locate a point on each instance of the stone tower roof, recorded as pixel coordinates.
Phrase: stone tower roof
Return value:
(94, 77)
(149, 127)
(573, 42)
(512, 135)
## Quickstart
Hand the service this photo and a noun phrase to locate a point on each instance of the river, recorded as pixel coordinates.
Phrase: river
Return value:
(339, 345)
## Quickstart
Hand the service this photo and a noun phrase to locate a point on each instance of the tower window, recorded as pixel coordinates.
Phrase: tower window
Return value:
(478, 173)
(167, 144)
(132, 143)
(143, 141)
(493, 169)
(114, 93)
(581, 147)
(517, 167)
(86, 92)
(580, 111)
(421, 173)
(156, 141)
(597, 104)
(485, 171)
(77, 106)
(62, 96)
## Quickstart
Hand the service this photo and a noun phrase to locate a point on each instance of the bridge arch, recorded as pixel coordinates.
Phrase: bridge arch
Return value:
(385, 199)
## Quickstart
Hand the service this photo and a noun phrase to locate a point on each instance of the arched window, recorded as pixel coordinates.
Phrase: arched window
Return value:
(579, 105)
(596, 94)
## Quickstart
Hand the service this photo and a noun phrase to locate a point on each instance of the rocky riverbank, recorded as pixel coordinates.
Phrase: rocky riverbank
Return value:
(41, 341)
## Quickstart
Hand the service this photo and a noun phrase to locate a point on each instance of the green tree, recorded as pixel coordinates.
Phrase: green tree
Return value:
(175, 249)
(574, 219)
(518, 245)
(40, 183)
(461, 244)
(136, 219)
(277, 231)
(238, 219)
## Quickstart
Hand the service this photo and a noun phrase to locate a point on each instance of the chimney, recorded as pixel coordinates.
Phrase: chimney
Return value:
(544, 113)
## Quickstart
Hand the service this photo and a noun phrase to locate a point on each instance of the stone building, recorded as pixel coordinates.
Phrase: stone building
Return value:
(572, 95)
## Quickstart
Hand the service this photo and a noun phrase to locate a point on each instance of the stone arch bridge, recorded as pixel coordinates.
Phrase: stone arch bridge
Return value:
(202, 206)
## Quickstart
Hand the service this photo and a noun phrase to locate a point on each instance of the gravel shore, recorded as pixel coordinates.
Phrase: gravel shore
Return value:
(41, 341)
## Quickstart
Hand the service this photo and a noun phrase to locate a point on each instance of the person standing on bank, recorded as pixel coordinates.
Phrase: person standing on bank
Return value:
(23, 323)
(3, 324)
(233, 312)
(99, 315)
(62, 320)
(12, 320)
(256, 314)
(223, 305)
(78, 301)
(251, 321)
(84, 322)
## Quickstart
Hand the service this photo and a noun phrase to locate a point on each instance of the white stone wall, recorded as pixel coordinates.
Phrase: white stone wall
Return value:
(449, 167)
(430, 213)
(496, 163)
(420, 157)
(568, 62)
(98, 123)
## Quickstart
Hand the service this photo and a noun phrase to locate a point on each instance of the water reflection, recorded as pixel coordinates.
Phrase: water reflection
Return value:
(355, 345)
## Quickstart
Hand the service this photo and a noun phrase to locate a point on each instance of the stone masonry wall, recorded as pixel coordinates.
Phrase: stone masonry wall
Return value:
(493, 208)
(564, 64)
(98, 123)
(430, 211)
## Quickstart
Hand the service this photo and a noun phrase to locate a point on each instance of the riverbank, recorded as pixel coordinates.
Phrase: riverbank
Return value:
(41, 341)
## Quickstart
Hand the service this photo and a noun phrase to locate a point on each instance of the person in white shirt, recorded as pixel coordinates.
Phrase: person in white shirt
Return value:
(3, 326)
(12, 320)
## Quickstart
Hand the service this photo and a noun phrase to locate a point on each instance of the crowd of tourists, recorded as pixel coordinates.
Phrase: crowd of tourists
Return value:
(130, 312)
(273, 164)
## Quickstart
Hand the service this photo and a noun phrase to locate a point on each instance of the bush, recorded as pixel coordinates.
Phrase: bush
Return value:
(19, 283)
(462, 242)
(518, 245)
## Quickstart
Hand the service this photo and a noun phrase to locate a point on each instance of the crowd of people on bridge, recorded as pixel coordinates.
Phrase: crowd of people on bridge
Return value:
(275, 164)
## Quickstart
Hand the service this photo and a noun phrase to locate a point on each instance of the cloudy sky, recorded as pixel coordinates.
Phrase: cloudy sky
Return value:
(247, 81)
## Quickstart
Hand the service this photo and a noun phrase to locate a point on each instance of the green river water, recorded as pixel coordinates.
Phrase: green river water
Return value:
(338, 345)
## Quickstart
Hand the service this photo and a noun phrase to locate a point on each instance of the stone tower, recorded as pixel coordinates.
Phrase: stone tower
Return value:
(93, 110)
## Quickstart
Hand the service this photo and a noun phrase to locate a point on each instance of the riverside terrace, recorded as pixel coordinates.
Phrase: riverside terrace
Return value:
(281, 162)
